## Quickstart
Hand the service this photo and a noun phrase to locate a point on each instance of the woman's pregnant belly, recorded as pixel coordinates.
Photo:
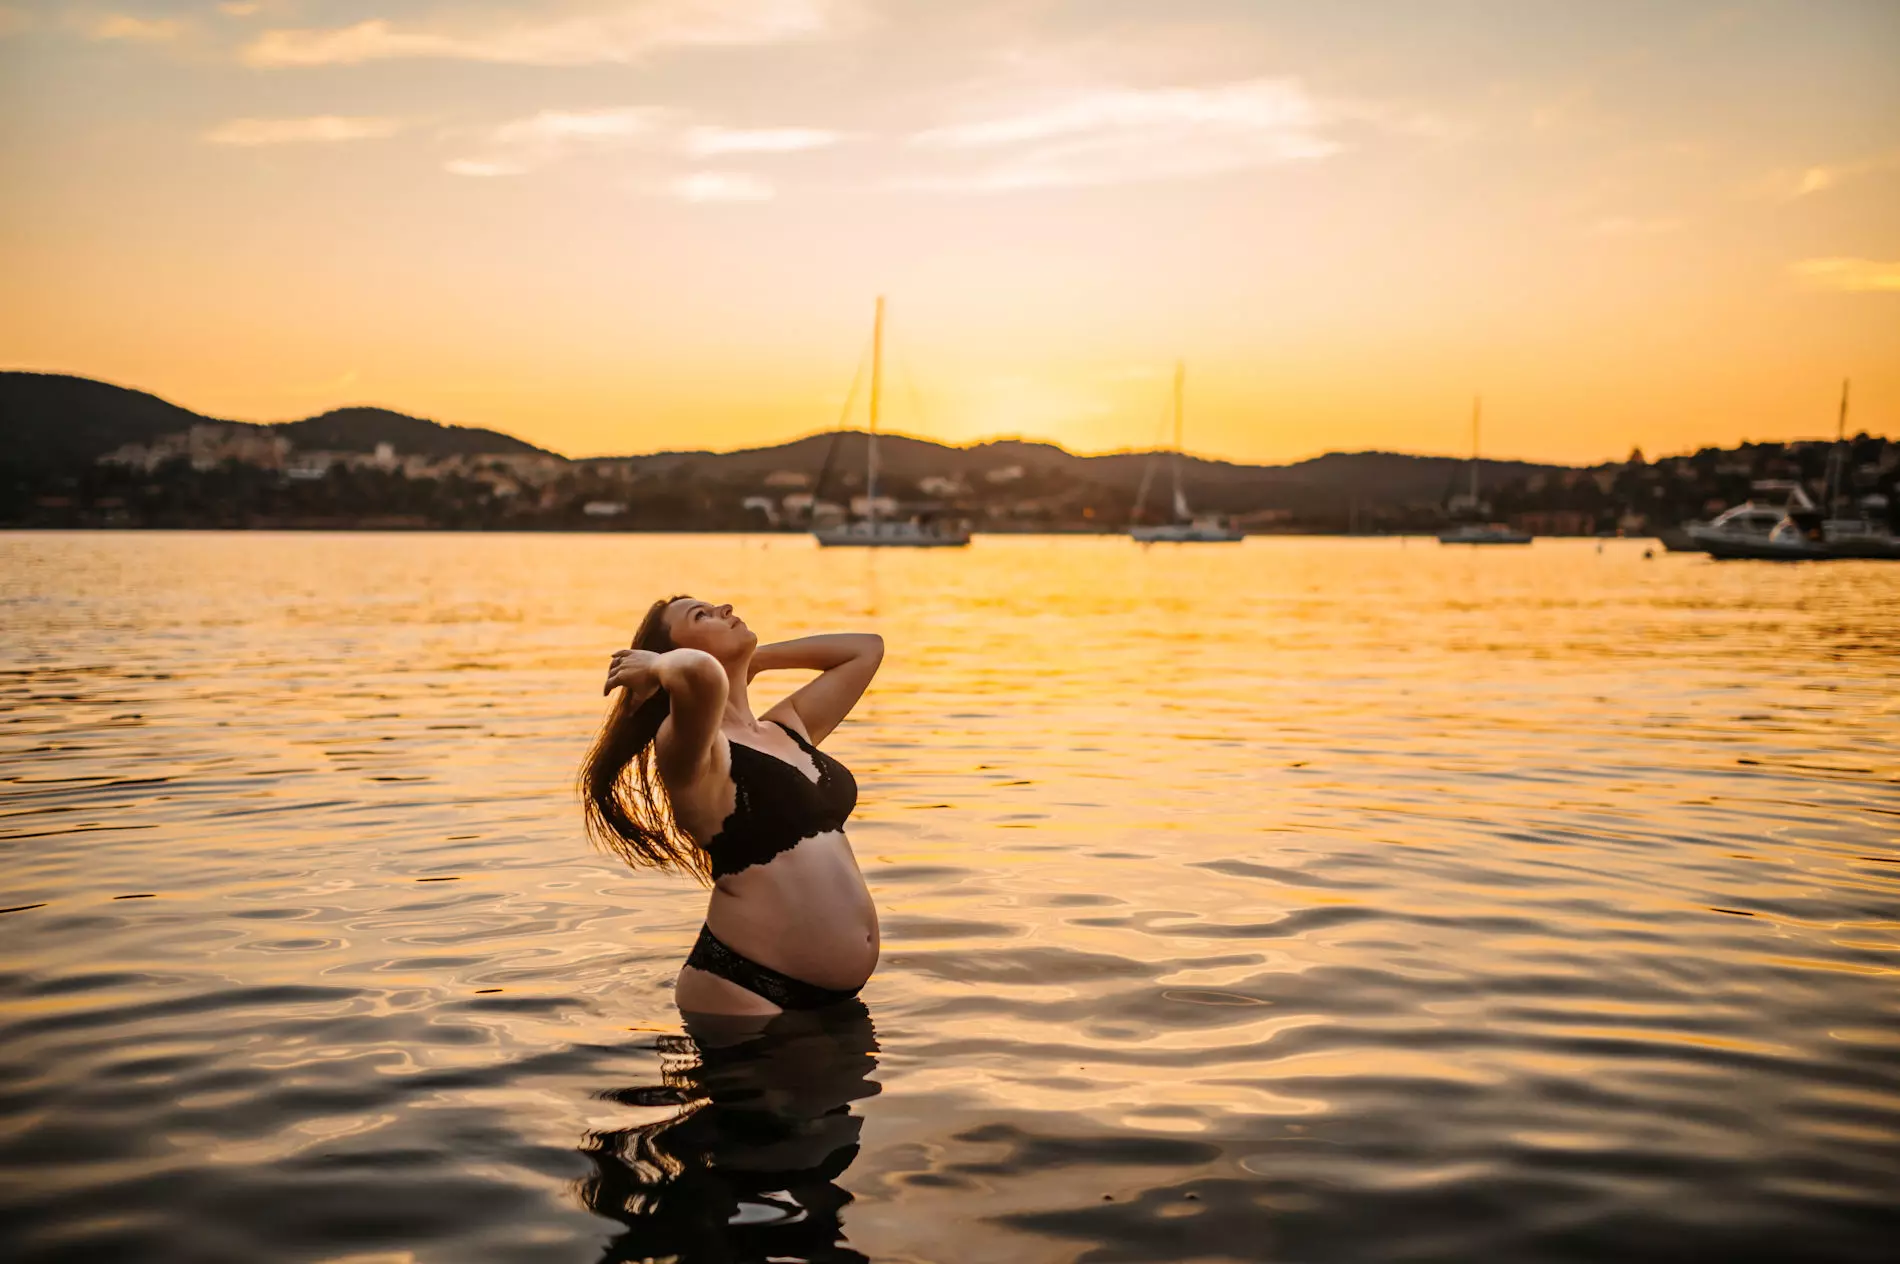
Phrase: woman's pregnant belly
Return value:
(805, 912)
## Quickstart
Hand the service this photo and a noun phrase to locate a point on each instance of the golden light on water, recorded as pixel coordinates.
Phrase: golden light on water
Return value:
(1236, 890)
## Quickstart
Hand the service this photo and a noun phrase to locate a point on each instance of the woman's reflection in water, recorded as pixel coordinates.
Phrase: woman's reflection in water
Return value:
(746, 1167)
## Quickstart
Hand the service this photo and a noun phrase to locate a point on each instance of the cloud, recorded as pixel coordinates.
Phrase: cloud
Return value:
(120, 26)
(582, 127)
(522, 145)
(706, 142)
(239, 10)
(1124, 135)
(1630, 226)
(1855, 275)
(13, 19)
(622, 33)
(1791, 184)
(291, 131)
(721, 186)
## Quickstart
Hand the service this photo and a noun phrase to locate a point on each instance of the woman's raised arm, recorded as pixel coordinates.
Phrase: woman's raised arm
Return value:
(846, 662)
(695, 685)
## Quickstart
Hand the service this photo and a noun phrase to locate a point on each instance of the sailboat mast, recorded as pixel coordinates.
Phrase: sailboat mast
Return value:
(1477, 405)
(1174, 463)
(877, 391)
(1837, 459)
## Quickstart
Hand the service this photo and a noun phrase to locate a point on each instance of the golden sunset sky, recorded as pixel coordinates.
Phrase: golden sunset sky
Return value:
(617, 227)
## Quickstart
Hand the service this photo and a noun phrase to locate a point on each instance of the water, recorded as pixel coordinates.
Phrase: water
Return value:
(1295, 900)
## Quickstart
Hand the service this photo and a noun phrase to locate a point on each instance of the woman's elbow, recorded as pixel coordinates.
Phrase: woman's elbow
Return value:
(692, 672)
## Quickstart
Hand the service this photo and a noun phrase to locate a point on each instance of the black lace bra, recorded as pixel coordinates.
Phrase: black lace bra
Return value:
(776, 806)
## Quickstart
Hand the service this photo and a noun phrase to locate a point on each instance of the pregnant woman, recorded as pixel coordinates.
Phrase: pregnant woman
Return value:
(683, 776)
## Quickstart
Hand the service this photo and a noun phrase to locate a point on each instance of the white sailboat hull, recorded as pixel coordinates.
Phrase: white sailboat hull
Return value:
(1493, 534)
(888, 535)
(1185, 533)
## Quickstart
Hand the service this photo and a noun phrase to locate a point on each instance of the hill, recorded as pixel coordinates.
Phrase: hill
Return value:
(1220, 485)
(52, 420)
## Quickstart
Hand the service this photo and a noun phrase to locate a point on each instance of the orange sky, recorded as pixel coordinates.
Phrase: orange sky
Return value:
(618, 227)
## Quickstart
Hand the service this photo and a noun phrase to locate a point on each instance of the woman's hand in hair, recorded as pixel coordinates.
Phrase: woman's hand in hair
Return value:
(636, 671)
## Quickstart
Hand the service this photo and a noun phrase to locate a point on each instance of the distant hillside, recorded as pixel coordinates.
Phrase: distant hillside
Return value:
(53, 429)
(1325, 480)
(361, 429)
(49, 420)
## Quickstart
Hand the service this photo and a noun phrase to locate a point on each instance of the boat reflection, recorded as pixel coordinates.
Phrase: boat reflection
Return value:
(746, 1165)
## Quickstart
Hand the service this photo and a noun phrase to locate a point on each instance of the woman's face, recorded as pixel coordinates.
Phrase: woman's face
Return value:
(699, 625)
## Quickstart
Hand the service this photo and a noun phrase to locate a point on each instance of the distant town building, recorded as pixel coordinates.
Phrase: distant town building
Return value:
(1003, 474)
(312, 465)
(603, 508)
(206, 445)
(786, 478)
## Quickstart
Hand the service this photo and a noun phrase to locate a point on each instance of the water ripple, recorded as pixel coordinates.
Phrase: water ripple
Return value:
(1309, 899)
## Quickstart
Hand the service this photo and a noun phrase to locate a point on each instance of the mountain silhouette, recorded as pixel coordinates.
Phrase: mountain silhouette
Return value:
(51, 420)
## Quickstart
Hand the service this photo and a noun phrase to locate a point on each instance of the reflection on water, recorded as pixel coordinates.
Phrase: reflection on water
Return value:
(1298, 899)
(758, 1128)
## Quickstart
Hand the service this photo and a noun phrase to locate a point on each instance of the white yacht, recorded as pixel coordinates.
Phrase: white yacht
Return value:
(869, 531)
(1754, 520)
(1187, 526)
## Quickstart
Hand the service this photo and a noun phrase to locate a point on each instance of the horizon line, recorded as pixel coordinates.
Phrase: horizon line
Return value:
(897, 434)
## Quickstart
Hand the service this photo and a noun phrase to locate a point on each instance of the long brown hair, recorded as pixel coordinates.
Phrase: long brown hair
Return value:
(626, 806)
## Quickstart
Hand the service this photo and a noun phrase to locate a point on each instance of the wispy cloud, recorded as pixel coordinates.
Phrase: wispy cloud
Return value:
(122, 26)
(721, 186)
(1123, 135)
(582, 127)
(706, 142)
(13, 19)
(293, 131)
(1855, 275)
(520, 146)
(1791, 184)
(1633, 226)
(237, 10)
(623, 33)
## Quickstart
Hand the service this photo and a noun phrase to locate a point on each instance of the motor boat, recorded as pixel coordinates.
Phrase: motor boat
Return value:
(1750, 522)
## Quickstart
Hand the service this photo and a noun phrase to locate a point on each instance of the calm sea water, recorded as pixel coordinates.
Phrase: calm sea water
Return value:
(1295, 900)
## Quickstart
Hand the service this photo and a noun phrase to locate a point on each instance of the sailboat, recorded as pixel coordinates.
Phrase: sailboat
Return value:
(1186, 528)
(869, 531)
(1480, 532)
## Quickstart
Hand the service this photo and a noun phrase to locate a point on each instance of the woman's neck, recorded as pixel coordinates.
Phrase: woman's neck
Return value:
(738, 712)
